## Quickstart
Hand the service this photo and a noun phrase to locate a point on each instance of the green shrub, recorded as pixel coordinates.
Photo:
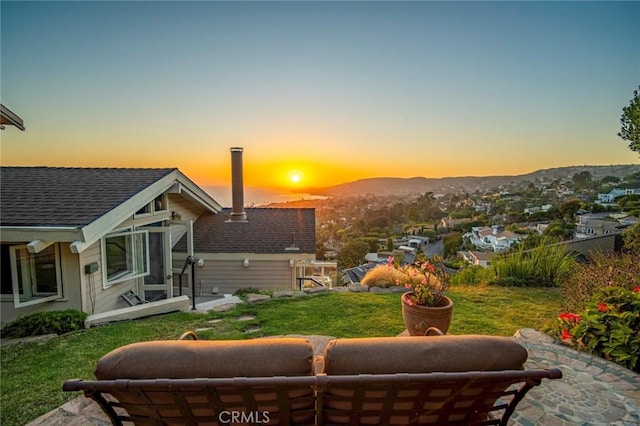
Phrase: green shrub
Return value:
(473, 275)
(242, 292)
(601, 270)
(547, 265)
(50, 322)
(454, 264)
(631, 237)
(609, 326)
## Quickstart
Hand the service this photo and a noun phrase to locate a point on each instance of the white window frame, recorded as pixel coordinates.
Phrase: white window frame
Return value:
(31, 266)
(151, 207)
(136, 271)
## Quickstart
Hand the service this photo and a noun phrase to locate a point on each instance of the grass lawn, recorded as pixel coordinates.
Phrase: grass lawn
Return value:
(32, 374)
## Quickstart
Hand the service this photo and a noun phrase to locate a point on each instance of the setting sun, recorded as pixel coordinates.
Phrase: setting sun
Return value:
(295, 177)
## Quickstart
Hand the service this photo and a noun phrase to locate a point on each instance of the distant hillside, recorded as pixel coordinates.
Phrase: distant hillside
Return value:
(418, 185)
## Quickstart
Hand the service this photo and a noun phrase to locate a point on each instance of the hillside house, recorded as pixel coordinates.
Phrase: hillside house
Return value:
(610, 198)
(477, 258)
(598, 224)
(493, 238)
(269, 249)
(81, 238)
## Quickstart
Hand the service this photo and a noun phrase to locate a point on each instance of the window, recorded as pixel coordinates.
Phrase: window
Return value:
(158, 205)
(145, 210)
(35, 277)
(125, 256)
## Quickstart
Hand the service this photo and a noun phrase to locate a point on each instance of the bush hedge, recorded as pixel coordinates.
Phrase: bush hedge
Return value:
(50, 322)
(601, 270)
(609, 326)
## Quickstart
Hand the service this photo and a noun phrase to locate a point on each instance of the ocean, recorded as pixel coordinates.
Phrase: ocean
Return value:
(256, 196)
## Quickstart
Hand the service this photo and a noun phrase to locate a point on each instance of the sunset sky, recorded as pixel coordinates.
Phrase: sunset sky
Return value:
(329, 91)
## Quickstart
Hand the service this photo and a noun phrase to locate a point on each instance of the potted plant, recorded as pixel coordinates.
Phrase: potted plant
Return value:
(424, 305)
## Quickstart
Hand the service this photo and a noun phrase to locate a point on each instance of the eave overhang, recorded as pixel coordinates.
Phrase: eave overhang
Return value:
(81, 237)
(10, 118)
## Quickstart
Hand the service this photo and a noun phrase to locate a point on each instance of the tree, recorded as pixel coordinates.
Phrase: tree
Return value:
(352, 254)
(631, 237)
(452, 244)
(569, 208)
(582, 180)
(630, 122)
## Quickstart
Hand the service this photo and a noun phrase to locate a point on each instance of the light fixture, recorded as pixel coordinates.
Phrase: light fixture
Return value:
(290, 263)
(245, 263)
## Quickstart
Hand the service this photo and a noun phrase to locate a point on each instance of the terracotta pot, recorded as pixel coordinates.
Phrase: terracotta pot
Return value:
(418, 318)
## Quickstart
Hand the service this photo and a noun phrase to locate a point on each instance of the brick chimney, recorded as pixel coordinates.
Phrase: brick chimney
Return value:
(237, 190)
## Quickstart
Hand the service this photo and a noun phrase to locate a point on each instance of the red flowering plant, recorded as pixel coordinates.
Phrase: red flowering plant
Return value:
(426, 282)
(608, 327)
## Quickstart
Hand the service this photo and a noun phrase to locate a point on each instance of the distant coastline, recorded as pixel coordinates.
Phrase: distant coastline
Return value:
(257, 197)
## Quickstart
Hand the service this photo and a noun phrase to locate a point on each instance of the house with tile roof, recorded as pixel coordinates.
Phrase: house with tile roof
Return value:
(82, 238)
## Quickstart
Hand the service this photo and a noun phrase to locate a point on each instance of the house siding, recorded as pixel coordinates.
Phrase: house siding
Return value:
(230, 275)
(186, 211)
(97, 299)
(70, 291)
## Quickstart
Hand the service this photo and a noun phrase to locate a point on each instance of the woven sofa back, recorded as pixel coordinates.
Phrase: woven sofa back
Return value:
(193, 359)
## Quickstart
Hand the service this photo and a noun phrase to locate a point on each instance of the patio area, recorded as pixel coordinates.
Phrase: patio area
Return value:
(592, 391)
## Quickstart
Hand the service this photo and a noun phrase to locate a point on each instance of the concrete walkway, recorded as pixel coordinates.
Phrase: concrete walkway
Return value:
(592, 391)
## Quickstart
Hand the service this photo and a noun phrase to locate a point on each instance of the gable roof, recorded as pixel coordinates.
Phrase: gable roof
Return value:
(80, 205)
(267, 230)
(52, 196)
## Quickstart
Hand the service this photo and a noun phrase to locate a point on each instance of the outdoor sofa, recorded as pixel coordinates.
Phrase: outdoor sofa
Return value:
(278, 381)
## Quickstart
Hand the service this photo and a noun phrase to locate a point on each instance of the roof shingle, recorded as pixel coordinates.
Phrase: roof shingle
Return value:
(267, 230)
(57, 196)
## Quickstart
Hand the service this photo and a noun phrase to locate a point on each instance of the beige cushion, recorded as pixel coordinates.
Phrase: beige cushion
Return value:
(184, 359)
(417, 354)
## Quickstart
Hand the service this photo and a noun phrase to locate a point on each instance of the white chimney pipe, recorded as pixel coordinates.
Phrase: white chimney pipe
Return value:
(237, 191)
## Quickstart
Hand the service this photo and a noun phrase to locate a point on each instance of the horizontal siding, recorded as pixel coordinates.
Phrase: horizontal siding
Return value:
(96, 299)
(230, 275)
(70, 291)
(187, 211)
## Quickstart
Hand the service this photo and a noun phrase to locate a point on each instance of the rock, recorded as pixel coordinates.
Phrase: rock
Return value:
(533, 335)
(316, 290)
(358, 288)
(379, 290)
(281, 294)
(38, 339)
(224, 307)
(253, 298)
(246, 318)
